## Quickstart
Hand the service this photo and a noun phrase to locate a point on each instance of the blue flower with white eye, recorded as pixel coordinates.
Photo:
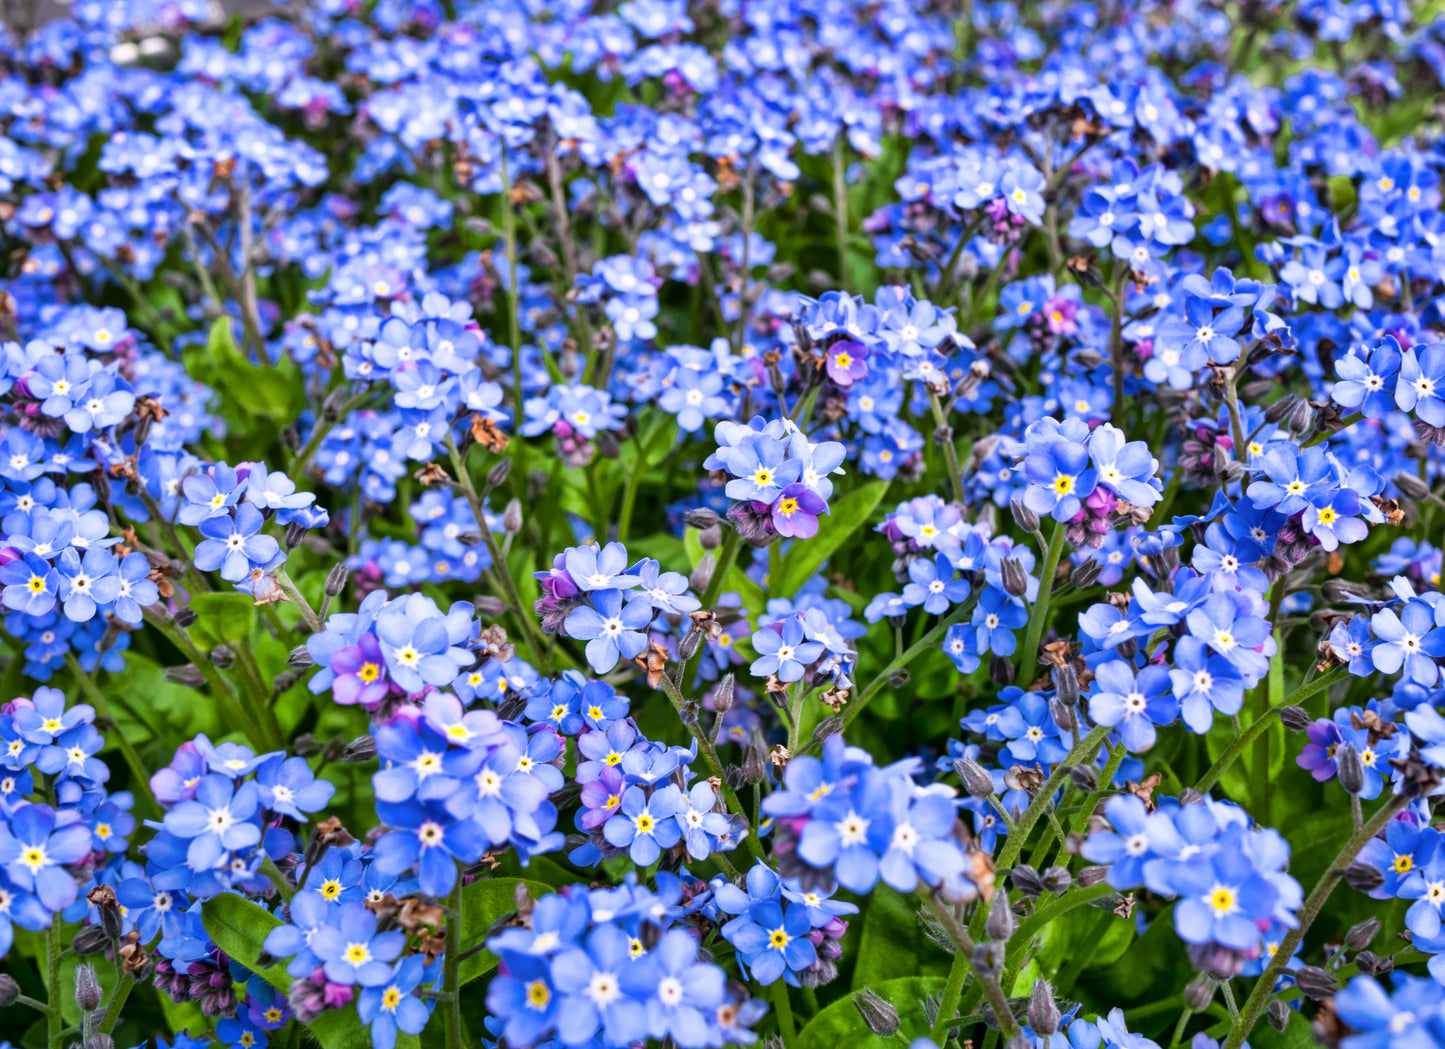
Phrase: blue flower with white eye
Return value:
(390, 1005)
(932, 585)
(612, 629)
(288, 786)
(1134, 702)
(1408, 640)
(236, 545)
(87, 582)
(217, 820)
(1366, 382)
(783, 651)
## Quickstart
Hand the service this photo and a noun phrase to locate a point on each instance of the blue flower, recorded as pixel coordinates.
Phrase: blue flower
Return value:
(1204, 683)
(218, 820)
(1408, 641)
(783, 651)
(31, 585)
(1136, 703)
(427, 837)
(1367, 382)
(236, 545)
(1222, 900)
(596, 987)
(611, 629)
(288, 786)
(1059, 475)
(772, 941)
(644, 825)
(352, 951)
(1421, 388)
(390, 1006)
(932, 585)
(86, 582)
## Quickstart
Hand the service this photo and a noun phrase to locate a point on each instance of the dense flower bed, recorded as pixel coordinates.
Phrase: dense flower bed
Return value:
(837, 524)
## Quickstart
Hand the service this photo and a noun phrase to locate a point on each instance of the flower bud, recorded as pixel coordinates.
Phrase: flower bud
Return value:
(87, 988)
(1360, 936)
(186, 674)
(1015, 579)
(722, 696)
(1349, 768)
(1199, 993)
(1092, 875)
(701, 574)
(1087, 573)
(711, 538)
(512, 517)
(702, 518)
(976, 779)
(1315, 982)
(9, 990)
(498, 473)
(1000, 670)
(1066, 684)
(1371, 964)
(1000, 923)
(829, 726)
(898, 678)
(1084, 778)
(1363, 877)
(300, 658)
(1063, 715)
(755, 757)
(1279, 411)
(295, 535)
(222, 656)
(1277, 1013)
(687, 647)
(185, 618)
(1043, 1012)
(360, 750)
(1301, 418)
(1023, 516)
(489, 606)
(1411, 487)
(1296, 719)
(1057, 879)
(1026, 880)
(878, 1014)
(336, 579)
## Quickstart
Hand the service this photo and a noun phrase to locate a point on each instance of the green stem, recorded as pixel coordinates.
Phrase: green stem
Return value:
(313, 622)
(1264, 987)
(1038, 615)
(709, 754)
(1116, 344)
(132, 760)
(727, 554)
(451, 968)
(117, 1002)
(283, 885)
(54, 1021)
(1241, 742)
(535, 647)
(964, 942)
(220, 687)
(1086, 749)
(952, 990)
(785, 1013)
(950, 453)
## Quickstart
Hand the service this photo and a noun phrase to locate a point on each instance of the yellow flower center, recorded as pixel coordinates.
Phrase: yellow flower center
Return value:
(369, 672)
(788, 507)
(391, 998)
(1404, 864)
(1222, 900)
(538, 994)
(778, 938)
(1063, 484)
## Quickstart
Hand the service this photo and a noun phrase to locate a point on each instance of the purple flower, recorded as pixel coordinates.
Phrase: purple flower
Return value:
(360, 674)
(795, 512)
(847, 362)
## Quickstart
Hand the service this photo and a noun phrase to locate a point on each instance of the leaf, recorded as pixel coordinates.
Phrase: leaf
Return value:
(806, 557)
(483, 903)
(273, 392)
(892, 943)
(239, 928)
(840, 1024)
(222, 618)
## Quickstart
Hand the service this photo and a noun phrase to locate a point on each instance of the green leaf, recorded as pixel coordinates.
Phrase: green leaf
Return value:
(840, 1024)
(483, 903)
(273, 392)
(239, 928)
(847, 515)
(222, 618)
(892, 943)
